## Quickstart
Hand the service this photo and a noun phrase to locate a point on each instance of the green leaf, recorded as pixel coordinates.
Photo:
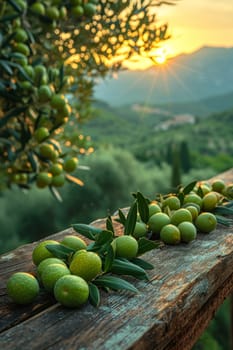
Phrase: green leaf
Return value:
(9, 95)
(145, 245)
(22, 71)
(60, 250)
(142, 263)
(6, 67)
(114, 283)
(131, 219)
(224, 210)
(33, 161)
(9, 18)
(61, 76)
(223, 220)
(25, 133)
(125, 267)
(109, 258)
(181, 197)
(56, 194)
(109, 224)
(200, 192)
(91, 247)
(30, 35)
(15, 6)
(7, 39)
(121, 217)
(102, 242)
(5, 141)
(15, 55)
(94, 294)
(104, 237)
(187, 189)
(229, 204)
(12, 113)
(143, 207)
(87, 230)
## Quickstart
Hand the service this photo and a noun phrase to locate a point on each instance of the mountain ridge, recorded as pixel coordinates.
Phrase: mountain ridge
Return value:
(206, 72)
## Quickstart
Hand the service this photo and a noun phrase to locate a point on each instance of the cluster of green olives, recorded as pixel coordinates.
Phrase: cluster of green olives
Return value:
(33, 107)
(173, 219)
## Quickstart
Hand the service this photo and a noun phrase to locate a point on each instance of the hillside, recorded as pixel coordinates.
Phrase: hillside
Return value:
(148, 135)
(127, 122)
(201, 107)
(187, 77)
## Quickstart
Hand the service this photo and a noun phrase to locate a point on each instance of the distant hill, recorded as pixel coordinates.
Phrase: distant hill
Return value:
(201, 107)
(187, 77)
(124, 124)
(148, 134)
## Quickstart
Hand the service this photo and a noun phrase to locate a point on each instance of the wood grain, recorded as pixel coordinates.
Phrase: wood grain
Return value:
(170, 311)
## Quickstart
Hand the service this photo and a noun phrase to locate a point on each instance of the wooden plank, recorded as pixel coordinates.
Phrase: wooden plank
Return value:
(189, 334)
(169, 312)
(184, 279)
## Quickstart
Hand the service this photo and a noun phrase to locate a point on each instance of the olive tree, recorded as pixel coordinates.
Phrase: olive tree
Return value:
(51, 54)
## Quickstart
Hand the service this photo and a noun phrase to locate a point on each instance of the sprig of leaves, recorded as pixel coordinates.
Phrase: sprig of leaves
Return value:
(101, 243)
(114, 283)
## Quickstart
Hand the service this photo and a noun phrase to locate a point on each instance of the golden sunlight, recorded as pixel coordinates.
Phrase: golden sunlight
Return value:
(161, 56)
(160, 59)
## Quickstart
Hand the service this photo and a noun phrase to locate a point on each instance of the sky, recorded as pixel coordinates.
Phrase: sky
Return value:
(196, 23)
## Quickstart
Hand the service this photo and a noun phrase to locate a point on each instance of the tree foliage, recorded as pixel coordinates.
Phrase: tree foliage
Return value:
(50, 51)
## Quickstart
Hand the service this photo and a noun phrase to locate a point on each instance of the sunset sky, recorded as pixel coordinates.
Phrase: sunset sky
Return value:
(196, 23)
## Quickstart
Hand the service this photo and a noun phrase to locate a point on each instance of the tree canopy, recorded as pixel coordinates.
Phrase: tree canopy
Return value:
(51, 54)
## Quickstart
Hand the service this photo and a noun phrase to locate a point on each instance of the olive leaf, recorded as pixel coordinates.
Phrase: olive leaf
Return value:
(224, 221)
(131, 219)
(109, 224)
(229, 204)
(145, 245)
(87, 231)
(122, 218)
(142, 263)
(61, 76)
(22, 71)
(6, 67)
(12, 113)
(114, 283)
(60, 250)
(187, 189)
(200, 192)
(15, 6)
(104, 237)
(181, 195)
(9, 17)
(102, 243)
(94, 294)
(125, 267)
(56, 194)
(33, 161)
(143, 207)
(223, 209)
(109, 258)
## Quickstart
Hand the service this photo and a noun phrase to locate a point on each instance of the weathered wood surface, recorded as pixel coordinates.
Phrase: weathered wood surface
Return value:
(170, 311)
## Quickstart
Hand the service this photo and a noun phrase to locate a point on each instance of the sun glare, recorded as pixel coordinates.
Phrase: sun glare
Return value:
(161, 56)
(160, 59)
